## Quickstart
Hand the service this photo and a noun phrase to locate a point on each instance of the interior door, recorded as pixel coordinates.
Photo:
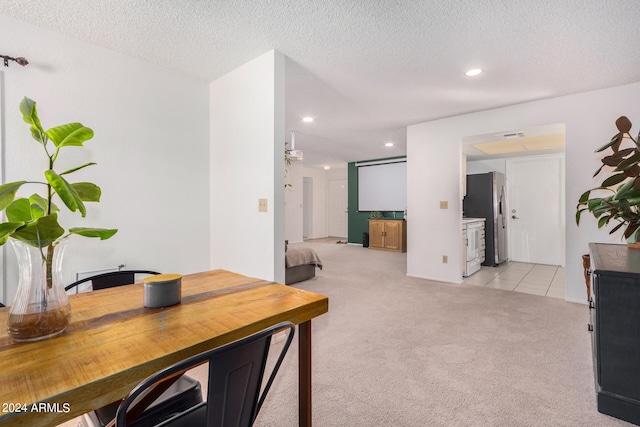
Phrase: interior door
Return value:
(535, 203)
(337, 205)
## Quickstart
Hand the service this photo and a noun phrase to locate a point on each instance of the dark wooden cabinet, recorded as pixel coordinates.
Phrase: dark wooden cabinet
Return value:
(615, 329)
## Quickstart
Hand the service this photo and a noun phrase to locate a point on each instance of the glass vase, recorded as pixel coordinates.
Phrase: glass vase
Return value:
(41, 307)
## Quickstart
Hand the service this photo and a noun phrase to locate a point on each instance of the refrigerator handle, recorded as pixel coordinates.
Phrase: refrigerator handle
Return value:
(500, 206)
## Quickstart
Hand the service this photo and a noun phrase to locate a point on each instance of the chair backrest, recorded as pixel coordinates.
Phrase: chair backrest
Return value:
(236, 371)
(111, 279)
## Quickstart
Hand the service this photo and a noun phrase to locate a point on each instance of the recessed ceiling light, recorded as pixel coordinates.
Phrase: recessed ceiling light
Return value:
(389, 144)
(307, 119)
(327, 167)
(473, 72)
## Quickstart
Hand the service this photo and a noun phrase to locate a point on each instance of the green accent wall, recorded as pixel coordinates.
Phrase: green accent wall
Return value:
(358, 222)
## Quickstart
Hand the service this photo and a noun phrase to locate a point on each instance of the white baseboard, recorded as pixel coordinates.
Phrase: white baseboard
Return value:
(580, 301)
(435, 279)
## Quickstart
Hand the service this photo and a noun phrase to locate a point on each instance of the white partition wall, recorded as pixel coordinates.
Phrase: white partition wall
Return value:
(247, 164)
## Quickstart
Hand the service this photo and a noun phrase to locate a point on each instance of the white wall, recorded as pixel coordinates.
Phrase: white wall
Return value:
(151, 146)
(484, 166)
(337, 173)
(247, 164)
(294, 200)
(433, 150)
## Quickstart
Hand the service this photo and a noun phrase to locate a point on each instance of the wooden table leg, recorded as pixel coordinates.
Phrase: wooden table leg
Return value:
(304, 374)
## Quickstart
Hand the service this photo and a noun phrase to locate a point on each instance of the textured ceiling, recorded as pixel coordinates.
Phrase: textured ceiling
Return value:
(367, 69)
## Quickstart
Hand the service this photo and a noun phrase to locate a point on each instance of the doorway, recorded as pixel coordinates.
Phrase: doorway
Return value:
(536, 209)
(337, 208)
(532, 160)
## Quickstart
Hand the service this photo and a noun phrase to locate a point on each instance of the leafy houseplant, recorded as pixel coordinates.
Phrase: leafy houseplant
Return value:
(617, 198)
(32, 225)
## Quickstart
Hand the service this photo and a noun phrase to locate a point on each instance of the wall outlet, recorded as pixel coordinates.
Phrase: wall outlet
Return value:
(444, 204)
(262, 205)
(445, 259)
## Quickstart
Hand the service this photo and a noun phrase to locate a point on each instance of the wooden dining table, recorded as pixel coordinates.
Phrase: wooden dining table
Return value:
(113, 342)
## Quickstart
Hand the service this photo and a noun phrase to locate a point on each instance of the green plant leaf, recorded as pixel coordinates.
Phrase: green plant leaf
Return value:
(624, 205)
(8, 193)
(30, 115)
(623, 189)
(101, 233)
(69, 135)
(87, 191)
(617, 139)
(78, 168)
(45, 230)
(594, 203)
(40, 206)
(623, 124)
(614, 179)
(584, 197)
(6, 229)
(634, 201)
(19, 211)
(603, 220)
(38, 136)
(66, 192)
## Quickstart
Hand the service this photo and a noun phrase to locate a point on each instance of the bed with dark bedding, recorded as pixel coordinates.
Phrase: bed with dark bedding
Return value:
(300, 264)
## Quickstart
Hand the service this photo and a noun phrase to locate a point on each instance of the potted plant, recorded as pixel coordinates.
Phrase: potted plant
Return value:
(617, 199)
(41, 308)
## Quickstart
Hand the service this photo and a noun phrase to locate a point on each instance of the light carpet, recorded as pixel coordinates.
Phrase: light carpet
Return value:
(400, 351)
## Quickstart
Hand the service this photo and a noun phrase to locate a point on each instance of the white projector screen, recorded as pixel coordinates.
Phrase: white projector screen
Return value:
(382, 187)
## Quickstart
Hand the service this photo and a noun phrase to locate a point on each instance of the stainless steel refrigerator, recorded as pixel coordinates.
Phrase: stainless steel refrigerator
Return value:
(486, 198)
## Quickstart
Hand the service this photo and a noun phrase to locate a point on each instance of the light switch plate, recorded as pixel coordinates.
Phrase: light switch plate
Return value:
(262, 205)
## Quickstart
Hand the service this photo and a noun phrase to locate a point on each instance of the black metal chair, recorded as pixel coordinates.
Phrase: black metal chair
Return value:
(182, 395)
(111, 279)
(236, 371)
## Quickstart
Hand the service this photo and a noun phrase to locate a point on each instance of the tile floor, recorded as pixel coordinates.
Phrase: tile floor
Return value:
(536, 279)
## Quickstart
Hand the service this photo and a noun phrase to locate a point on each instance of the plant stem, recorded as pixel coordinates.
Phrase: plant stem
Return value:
(50, 249)
(49, 266)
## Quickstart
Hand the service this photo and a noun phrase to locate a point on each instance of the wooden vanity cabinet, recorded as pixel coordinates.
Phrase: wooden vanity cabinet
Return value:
(388, 235)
